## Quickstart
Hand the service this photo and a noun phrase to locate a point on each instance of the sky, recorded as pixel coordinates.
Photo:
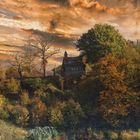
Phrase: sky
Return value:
(65, 20)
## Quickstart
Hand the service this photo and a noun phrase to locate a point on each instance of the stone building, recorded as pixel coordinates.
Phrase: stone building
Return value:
(72, 69)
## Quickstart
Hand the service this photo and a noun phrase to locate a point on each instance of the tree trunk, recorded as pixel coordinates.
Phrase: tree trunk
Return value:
(44, 64)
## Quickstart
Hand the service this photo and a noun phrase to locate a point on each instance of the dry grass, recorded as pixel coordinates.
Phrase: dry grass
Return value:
(11, 132)
(129, 135)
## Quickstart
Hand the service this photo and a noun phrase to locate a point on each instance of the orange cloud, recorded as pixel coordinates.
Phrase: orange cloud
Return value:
(96, 6)
(66, 23)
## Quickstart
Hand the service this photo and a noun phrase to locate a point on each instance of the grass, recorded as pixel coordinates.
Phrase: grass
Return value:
(108, 134)
(11, 132)
(130, 135)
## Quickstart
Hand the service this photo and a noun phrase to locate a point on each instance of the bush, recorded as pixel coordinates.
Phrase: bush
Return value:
(32, 84)
(2, 73)
(19, 114)
(38, 112)
(12, 85)
(138, 134)
(110, 135)
(24, 98)
(66, 114)
(12, 72)
(113, 136)
(55, 116)
(129, 135)
(2, 101)
(40, 93)
(72, 113)
(3, 114)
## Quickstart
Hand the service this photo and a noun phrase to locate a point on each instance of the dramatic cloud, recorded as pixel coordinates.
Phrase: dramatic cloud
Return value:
(65, 20)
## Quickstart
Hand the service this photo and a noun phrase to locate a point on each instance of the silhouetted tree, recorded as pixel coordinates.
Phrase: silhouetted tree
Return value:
(45, 50)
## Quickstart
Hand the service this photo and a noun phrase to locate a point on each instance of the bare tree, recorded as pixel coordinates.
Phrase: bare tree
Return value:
(18, 63)
(45, 50)
(29, 58)
(24, 61)
(35, 48)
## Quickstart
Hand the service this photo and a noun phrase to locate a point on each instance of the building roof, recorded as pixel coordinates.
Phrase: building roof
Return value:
(72, 61)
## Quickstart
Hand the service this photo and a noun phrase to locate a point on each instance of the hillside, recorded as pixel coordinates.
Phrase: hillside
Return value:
(11, 132)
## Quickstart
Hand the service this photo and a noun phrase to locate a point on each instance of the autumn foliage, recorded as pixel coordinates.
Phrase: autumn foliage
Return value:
(108, 97)
(117, 100)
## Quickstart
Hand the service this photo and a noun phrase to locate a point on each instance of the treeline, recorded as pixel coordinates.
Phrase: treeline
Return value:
(113, 87)
(108, 97)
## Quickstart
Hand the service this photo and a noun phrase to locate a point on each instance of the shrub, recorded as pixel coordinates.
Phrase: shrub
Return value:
(3, 114)
(66, 114)
(138, 134)
(12, 72)
(2, 101)
(113, 136)
(12, 85)
(72, 114)
(129, 135)
(106, 134)
(24, 98)
(2, 73)
(55, 115)
(38, 112)
(32, 84)
(19, 114)
(40, 93)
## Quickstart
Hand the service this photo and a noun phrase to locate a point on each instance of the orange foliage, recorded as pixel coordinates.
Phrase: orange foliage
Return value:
(116, 100)
(38, 111)
(19, 113)
(24, 97)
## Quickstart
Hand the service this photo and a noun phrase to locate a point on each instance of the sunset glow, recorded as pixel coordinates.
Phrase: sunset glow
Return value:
(66, 22)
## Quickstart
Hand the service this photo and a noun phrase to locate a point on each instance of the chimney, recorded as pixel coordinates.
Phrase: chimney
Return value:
(65, 54)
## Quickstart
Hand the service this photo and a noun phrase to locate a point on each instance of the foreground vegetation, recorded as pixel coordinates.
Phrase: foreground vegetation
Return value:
(103, 104)
(11, 132)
